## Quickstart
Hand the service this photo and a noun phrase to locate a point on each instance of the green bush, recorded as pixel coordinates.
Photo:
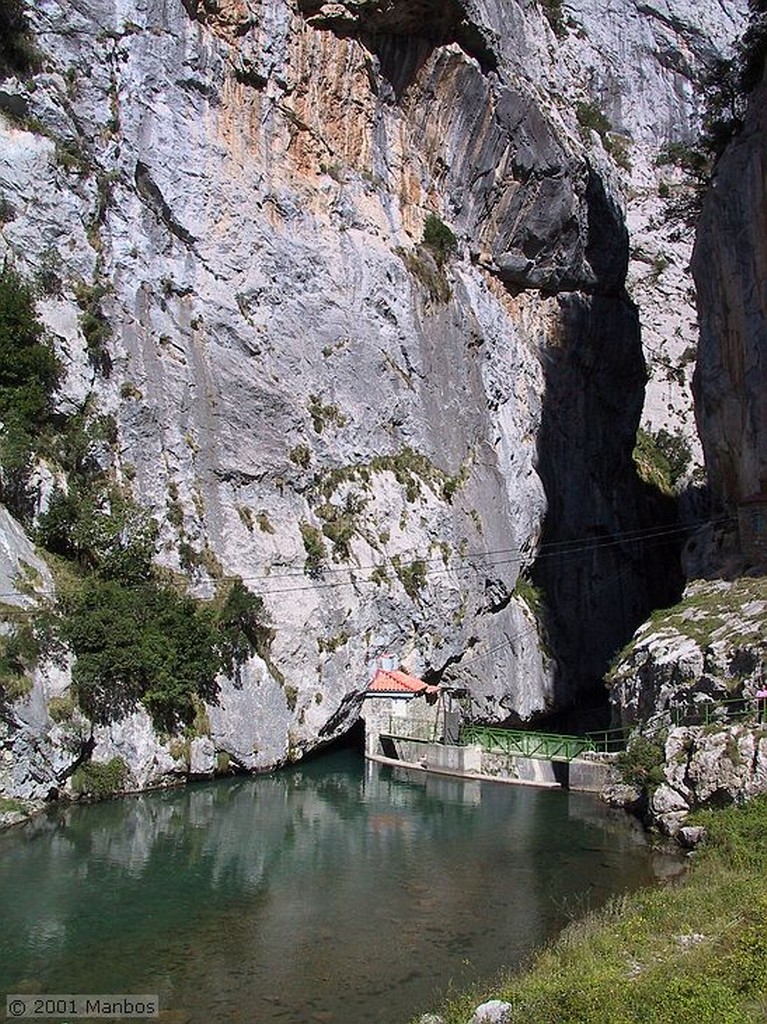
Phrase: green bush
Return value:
(662, 458)
(242, 626)
(61, 708)
(591, 118)
(102, 529)
(100, 780)
(8, 805)
(412, 576)
(135, 636)
(552, 11)
(302, 454)
(29, 375)
(321, 415)
(641, 764)
(438, 237)
(20, 649)
(94, 325)
(428, 273)
(18, 52)
(341, 523)
(148, 643)
(314, 546)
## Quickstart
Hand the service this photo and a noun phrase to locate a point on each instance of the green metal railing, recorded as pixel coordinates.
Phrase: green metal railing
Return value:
(545, 745)
(710, 711)
(608, 741)
(560, 747)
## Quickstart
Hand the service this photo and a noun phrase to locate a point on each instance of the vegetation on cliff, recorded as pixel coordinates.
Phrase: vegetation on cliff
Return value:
(726, 91)
(136, 635)
(693, 950)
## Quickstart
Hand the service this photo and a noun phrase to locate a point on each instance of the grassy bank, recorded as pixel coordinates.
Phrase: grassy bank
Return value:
(694, 950)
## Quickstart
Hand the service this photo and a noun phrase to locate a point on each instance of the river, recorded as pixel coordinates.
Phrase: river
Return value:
(336, 891)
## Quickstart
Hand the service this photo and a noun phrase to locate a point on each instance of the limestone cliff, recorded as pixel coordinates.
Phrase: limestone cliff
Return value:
(730, 268)
(371, 428)
(689, 683)
(692, 676)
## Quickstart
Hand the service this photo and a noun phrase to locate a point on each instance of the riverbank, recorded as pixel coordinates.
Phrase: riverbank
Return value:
(695, 949)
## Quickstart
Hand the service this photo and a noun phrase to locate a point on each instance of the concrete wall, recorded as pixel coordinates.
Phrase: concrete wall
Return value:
(383, 714)
(453, 760)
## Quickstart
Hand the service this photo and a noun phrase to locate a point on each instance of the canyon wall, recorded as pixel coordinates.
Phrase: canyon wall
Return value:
(373, 426)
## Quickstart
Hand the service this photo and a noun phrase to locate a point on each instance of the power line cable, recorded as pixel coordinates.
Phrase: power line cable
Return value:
(470, 562)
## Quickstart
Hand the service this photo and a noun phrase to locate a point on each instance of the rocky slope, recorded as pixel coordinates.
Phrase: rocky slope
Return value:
(688, 683)
(371, 427)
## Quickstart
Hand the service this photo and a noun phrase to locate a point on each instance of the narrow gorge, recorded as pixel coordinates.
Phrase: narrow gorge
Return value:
(373, 327)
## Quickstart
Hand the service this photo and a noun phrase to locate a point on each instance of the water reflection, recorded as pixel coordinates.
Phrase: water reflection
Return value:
(333, 890)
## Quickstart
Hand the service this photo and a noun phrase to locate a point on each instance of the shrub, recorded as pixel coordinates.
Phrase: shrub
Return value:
(148, 643)
(315, 548)
(9, 805)
(341, 523)
(18, 51)
(243, 627)
(428, 272)
(61, 708)
(135, 637)
(591, 118)
(102, 529)
(20, 649)
(322, 414)
(662, 458)
(29, 375)
(302, 454)
(641, 764)
(553, 13)
(412, 575)
(264, 523)
(100, 780)
(246, 517)
(438, 238)
(532, 595)
(94, 325)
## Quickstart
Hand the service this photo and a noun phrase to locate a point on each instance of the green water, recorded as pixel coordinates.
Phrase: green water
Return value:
(337, 892)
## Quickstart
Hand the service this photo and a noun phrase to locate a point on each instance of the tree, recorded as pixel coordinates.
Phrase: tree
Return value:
(29, 375)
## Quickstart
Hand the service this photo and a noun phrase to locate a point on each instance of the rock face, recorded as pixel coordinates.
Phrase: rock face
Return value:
(708, 649)
(729, 266)
(242, 192)
(689, 681)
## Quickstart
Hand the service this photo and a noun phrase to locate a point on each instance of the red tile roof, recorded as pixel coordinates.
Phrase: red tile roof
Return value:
(398, 682)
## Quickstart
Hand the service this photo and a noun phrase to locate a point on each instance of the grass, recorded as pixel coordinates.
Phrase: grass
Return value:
(9, 805)
(411, 469)
(423, 266)
(692, 950)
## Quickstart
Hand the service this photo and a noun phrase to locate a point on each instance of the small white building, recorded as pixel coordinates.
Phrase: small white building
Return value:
(398, 704)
